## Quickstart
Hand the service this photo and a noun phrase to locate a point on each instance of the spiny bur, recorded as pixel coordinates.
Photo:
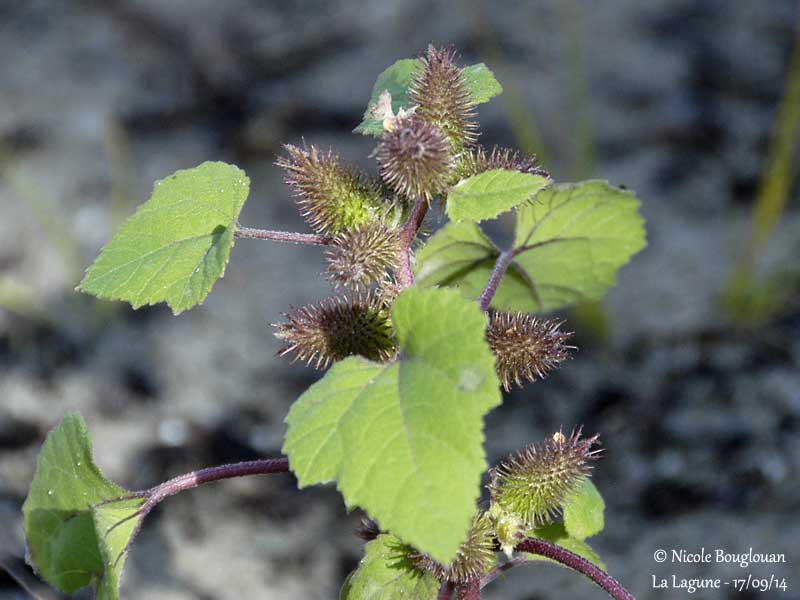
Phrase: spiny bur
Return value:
(477, 161)
(474, 558)
(336, 328)
(331, 197)
(532, 486)
(442, 97)
(363, 255)
(414, 159)
(526, 347)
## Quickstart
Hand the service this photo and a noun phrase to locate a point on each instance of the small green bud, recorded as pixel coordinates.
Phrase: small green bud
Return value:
(357, 257)
(336, 328)
(332, 197)
(442, 97)
(414, 159)
(508, 528)
(475, 557)
(526, 347)
(534, 484)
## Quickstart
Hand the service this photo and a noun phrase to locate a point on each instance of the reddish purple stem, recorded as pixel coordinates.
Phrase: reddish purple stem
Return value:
(405, 276)
(575, 562)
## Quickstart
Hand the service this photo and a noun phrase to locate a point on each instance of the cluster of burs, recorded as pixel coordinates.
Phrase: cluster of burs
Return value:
(424, 150)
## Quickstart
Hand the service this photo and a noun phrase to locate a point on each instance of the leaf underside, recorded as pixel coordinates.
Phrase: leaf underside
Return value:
(71, 543)
(385, 573)
(571, 240)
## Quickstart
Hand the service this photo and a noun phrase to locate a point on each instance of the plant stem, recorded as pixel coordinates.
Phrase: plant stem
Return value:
(188, 481)
(405, 276)
(446, 591)
(470, 591)
(282, 236)
(575, 562)
(503, 262)
(500, 569)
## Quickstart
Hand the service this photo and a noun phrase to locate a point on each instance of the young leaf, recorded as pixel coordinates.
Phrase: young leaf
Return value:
(556, 533)
(176, 245)
(460, 256)
(70, 543)
(571, 240)
(394, 80)
(480, 81)
(404, 440)
(385, 572)
(487, 195)
(583, 514)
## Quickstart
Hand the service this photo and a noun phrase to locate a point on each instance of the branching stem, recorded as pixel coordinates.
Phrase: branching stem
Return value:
(405, 276)
(155, 495)
(568, 559)
(446, 591)
(282, 236)
(470, 591)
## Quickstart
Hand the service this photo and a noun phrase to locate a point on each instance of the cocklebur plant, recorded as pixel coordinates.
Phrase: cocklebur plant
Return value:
(419, 335)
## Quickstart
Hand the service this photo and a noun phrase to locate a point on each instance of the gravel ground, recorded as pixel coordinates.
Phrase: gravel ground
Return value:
(699, 419)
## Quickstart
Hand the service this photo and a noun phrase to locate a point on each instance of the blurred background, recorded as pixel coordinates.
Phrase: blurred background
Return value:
(689, 369)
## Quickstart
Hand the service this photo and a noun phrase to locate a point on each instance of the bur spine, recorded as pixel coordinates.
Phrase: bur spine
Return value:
(332, 197)
(441, 96)
(475, 556)
(533, 485)
(525, 346)
(336, 328)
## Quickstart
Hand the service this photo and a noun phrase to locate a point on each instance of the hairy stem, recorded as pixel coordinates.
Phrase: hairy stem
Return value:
(575, 562)
(503, 262)
(405, 276)
(446, 591)
(502, 568)
(282, 236)
(188, 481)
(470, 591)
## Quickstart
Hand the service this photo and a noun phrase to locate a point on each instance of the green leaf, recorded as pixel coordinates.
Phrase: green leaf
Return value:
(557, 534)
(460, 256)
(176, 245)
(404, 440)
(386, 573)
(488, 194)
(480, 82)
(584, 513)
(571, 240)
(70, 543)
(394, 80)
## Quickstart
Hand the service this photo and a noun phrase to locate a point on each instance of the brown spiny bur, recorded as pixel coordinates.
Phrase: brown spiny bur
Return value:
(534, 484)
(336, 328)
(474, 558)
(414, 159)
(441, 96)
(357, 257)
(332, 197)
(474, 162)
(526, 347)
